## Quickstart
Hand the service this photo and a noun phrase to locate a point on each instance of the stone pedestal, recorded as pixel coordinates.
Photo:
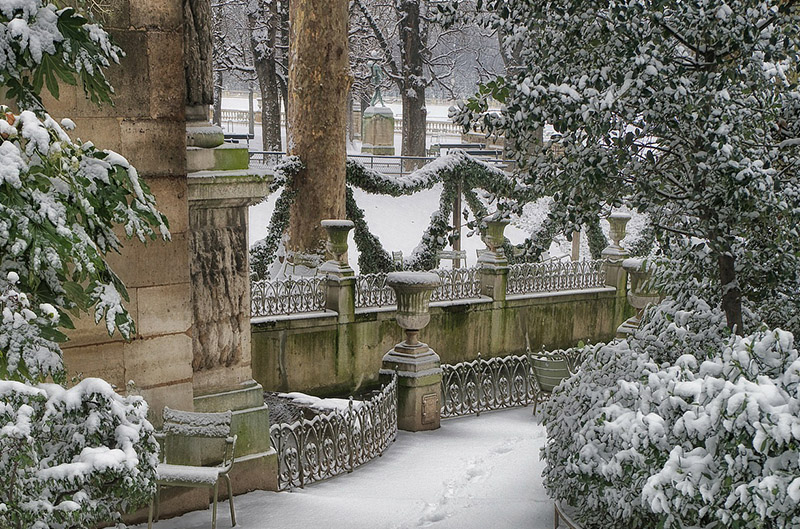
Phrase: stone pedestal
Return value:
(493, 263)
(418, 367)
(614, 253)
(340, 278)
(378, 136)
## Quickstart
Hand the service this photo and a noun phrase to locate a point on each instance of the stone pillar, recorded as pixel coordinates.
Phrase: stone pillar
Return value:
(418, 367)
(493, 263)
(340, 280)
(378, 135)
(640, 295)
(221, 188)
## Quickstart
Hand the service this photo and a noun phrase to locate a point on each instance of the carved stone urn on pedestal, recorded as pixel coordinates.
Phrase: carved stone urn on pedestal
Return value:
(418, 367)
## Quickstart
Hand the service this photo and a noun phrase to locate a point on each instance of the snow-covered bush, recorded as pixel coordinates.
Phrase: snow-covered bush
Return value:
(68, 457)
(72, 457)
(711, 443)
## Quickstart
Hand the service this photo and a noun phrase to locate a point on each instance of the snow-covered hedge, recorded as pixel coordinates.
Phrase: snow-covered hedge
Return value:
(72, 457)
(710, 440)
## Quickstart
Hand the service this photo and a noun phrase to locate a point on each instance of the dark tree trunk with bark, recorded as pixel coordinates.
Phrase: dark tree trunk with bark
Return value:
(731, 293)
(319, 79)
(264, 61)
(412, 91)
(198, 49)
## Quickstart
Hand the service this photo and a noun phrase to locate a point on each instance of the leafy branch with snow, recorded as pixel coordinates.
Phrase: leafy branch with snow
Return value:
(72, 457)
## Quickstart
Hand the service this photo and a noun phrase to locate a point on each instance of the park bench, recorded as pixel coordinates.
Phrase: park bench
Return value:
(210, 427)
(457, 256)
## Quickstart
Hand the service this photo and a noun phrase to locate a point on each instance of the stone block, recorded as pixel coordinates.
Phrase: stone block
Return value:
(171, 200)
(104, 133)
(164, 309)
(130, 78)
(158, 263)
(117, 17)
(87, 332)
(378, 131)
(177, 395)
(157, 361)
(167, 92)
(157, 14)
(155, 147)
(104, 361)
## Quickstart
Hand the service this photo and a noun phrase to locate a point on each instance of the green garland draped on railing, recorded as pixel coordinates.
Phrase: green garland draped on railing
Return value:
(455, 171)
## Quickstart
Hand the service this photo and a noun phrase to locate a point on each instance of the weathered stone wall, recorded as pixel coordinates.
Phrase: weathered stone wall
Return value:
(147, 126)
(319, 355)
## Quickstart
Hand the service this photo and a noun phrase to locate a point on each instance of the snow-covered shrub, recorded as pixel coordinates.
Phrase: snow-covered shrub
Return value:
(72, 457)
(711, 443)
(68, 457)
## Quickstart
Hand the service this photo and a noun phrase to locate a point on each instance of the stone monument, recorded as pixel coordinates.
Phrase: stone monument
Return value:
(418, 367)
(378, 121)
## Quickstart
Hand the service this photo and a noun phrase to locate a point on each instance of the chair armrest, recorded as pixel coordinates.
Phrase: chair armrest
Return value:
(230, 451)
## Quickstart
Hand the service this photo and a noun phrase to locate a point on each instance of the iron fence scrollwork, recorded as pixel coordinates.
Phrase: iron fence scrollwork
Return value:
(288, 296)
(528, 278)
(314, 449)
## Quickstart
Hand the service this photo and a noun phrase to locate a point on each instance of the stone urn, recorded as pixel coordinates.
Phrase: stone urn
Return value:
(336, 246)
(417, 366)
(617, 222)
(640, 294)
(413, 291)
(494, 238)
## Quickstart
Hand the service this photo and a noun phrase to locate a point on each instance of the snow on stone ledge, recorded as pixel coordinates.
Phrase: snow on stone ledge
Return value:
(337, 223)
(412, 279)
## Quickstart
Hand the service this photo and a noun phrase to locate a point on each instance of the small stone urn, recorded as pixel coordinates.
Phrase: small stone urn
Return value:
(614, 253)
(336, 246)
(617, 222)
(640, 295)
(494, 238)
(418, 367)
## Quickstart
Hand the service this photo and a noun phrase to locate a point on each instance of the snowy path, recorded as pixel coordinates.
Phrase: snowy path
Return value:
(475, 472)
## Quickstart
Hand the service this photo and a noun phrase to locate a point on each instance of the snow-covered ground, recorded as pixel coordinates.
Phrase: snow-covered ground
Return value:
(474, 472)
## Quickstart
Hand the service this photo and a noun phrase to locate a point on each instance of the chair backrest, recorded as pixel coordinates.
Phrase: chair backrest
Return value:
(549, 370)
(197, 424)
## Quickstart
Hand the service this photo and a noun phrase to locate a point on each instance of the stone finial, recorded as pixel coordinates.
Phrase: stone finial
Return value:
(617, 221)
(336, 246)
(413, 290)
(493, 238)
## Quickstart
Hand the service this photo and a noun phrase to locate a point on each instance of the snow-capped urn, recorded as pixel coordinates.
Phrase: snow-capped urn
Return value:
(413, 290)
(640, 294)
(617, 222)
(336, 244)
(494, 238)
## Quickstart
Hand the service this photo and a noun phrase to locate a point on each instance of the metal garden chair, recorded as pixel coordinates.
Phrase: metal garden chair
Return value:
(199, 425)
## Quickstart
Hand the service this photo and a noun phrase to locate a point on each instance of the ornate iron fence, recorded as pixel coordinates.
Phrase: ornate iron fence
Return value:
(288, 296)
(483, 385)
(372, 291)
(331, 444)
(528, 278)
(458, 283)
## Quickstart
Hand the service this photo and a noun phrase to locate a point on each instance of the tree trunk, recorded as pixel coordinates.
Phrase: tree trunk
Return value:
(415, 115)
(319, 78)
(265, 17)
(198, 49)
(217, 117)
(731, 293)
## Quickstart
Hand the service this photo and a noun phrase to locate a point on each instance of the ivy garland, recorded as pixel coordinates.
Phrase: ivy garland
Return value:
(457, 170)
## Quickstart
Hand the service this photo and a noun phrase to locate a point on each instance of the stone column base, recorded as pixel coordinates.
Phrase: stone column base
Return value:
(419, 386)
(256, 462)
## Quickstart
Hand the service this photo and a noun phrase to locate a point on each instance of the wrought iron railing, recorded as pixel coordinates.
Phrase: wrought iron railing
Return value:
(458, 283)
(529, 278)
(372, 291)
(331, 444)
(287, 296)
(483, 385)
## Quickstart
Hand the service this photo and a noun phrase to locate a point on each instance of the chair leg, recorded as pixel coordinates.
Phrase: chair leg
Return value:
(214, 508)
(158, 501)
(230, 499)
(150, 514)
